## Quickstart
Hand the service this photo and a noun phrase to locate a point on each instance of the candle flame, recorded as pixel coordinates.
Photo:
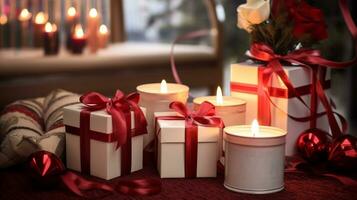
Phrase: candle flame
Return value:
(255, 128)
(103, 29)
(78, 31)
(163, 86)
(54, 27)
(41, 18)
(219, 96)
(25, 15)
(71, 12)
(48, 27)
(3, 19)
(93, 13)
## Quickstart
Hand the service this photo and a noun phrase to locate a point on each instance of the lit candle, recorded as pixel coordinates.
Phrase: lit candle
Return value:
(230, 109)
(40, 21)
(78, 40)
(156, 97)
(24, 18)
(51, 41)
(103, 36)
(3, 31)
(92, 30)
(71, 21)
(254, 158)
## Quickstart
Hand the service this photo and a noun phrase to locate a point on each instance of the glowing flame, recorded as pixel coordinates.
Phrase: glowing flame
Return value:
(93, 13)
(163, 86)
(71, 12)
(255, 128)
(219, 96)
(78, 31)
(103, 29)
(41, 18)
(54, 27)
(3, 19)
(25, 15)
(48, 27)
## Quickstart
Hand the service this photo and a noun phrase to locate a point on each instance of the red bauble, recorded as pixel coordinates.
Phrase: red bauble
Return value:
(343, 153)
(45, 168)
(313, 145)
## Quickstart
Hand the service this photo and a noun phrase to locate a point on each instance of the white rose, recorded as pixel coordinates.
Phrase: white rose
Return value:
(252, 12)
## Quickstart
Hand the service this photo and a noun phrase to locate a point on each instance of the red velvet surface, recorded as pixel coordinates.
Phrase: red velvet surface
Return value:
(15, 184)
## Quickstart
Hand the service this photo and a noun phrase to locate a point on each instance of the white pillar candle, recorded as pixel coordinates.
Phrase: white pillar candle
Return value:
(254, 159)
(156, 97)
(230, 109)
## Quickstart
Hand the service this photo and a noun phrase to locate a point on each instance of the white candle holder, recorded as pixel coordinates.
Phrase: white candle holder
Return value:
(254, 163)
(155, 100)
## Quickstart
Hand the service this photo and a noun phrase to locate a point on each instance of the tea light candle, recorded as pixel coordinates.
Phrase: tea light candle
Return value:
(71, 21)
(103, 36)
(230, 109)
(254, 158)
(92, 30)
(156, 97)
(24, 18)
(51, 41)
(39, 27)
(78, 40)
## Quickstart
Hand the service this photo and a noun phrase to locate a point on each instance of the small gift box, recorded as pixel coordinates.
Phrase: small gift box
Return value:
(247, 77)
(187, 143)
(104, 137)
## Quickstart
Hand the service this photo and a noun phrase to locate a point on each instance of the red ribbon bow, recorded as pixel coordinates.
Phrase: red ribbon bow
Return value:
(204, 116)
(117, 107)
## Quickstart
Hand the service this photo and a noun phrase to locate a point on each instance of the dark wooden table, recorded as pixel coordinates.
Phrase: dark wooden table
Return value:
(15, 184)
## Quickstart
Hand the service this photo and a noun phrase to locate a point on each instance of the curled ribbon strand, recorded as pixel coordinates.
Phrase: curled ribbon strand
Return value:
(47, 168)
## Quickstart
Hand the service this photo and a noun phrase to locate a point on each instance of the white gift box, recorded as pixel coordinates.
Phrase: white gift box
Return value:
(105, 159)
(247, 73)
(171, 148)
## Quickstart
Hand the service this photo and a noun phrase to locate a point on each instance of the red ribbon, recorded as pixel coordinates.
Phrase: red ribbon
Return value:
(309, 59)
(47, 168)
(119, 107)
(204, 116)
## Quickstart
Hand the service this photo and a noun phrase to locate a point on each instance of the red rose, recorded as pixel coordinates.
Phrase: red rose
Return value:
(308, 20)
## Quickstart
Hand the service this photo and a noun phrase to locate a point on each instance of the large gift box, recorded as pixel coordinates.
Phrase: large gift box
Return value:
(245, 78)
(94, 144)
(175, 157)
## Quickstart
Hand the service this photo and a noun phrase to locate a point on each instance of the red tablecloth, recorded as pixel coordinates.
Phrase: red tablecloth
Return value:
(14, 184)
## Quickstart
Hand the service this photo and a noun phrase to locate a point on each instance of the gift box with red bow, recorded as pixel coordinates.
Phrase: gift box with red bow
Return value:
(104, 137)
(271, 102)
(187, 142)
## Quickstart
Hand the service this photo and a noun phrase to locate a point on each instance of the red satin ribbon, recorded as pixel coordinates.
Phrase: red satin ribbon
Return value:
(119, 107)
(47, 168)
(204, 116)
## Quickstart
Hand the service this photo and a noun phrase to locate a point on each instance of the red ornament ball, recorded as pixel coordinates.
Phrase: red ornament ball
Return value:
(313, 145)
(45, 168)
(343, 153)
